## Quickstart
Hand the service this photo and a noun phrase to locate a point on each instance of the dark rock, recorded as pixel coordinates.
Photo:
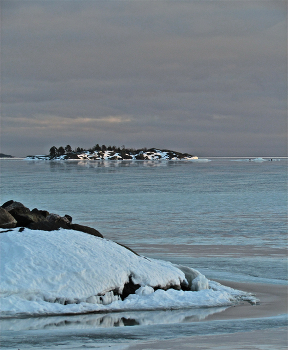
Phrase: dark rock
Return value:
(48, 222)
(68, 217)
(129, 288)
(130, 322)
(6, 204)
(24, 216)
(170, 286)
(19, 211)
(12, 205)
(86, 229)
(124, 246)
(6, 219)
(63, 222)
(71, 156)
(44, 226)
(44, 213)
(21, 216)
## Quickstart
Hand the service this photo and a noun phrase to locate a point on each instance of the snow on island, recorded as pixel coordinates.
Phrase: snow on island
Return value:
(117, 154)
(71, 272)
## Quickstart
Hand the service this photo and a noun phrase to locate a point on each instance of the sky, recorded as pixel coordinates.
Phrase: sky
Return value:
(204, 77)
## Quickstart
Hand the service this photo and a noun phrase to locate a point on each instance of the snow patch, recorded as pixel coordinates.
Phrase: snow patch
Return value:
(146, 290)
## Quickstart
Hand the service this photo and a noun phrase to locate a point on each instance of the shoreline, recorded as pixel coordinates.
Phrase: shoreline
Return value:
(273, 303)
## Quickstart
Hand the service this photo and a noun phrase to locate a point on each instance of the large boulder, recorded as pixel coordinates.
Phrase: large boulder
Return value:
(12, 205)
(6, 219)
(63, 221)
(44, 213)
(25, 217)
(49, 222)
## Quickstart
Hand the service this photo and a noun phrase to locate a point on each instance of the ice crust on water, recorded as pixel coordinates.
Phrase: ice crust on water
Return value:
(68, 271)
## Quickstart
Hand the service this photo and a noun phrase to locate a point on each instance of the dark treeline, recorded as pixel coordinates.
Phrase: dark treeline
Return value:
(2, 155)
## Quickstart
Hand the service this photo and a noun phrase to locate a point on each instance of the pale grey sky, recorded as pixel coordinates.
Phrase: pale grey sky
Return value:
(203, 77)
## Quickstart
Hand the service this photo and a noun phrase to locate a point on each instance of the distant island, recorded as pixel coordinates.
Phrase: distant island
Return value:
(111, 153)
(2, 155)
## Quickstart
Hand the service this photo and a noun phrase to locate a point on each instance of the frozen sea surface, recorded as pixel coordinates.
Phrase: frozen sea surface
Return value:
(227, 219)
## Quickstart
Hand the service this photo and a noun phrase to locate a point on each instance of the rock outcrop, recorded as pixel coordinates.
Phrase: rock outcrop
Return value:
(15, 214)
(6, 219)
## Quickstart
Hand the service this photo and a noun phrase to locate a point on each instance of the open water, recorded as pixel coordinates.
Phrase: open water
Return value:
(225, 217)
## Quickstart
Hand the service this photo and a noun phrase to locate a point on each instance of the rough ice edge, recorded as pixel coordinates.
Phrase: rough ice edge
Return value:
(158, 300)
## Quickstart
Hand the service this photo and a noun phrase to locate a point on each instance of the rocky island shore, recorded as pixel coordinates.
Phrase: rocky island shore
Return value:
(112, 153)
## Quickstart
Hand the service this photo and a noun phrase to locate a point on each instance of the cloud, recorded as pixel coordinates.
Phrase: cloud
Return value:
(222, 117)
(145, 71)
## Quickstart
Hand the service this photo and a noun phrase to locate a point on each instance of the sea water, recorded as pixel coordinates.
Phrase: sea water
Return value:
(161, 204)
(224, 217)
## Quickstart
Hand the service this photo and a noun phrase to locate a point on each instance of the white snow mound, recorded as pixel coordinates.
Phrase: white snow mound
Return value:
(68, 271)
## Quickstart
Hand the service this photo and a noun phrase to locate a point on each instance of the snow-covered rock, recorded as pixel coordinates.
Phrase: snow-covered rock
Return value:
(67, 271)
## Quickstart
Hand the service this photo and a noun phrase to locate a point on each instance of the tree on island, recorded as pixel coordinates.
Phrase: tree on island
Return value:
(61, 151)
(68, 149)
(53, 151)
(56, 152)
(96, 148)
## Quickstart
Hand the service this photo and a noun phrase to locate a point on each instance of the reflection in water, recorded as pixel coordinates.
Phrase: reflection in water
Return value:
(55, 165)
(108, 320)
